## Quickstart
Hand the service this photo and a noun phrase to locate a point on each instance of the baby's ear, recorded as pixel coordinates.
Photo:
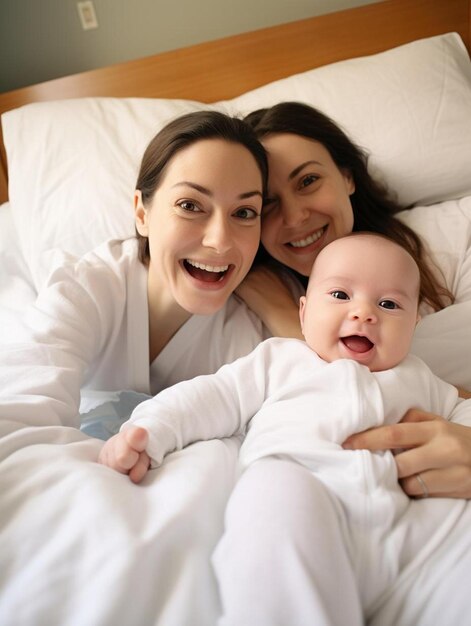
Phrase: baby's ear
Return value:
(302, 306)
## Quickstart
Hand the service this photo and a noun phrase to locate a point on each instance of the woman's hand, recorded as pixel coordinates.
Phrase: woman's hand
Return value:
(268, 296)
(125, 453)
(426, 444)
(464, 393)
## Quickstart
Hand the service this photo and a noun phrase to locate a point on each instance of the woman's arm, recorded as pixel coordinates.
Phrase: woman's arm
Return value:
(426, 444)
(43, 369)
(72, 331)
(269, 297)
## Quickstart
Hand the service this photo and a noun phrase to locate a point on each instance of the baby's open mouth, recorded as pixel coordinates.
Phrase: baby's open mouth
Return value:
(355, 343)
(206, 273)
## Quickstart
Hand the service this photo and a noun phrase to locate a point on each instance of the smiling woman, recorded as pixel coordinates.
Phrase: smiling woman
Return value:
(197, 205)
(299, 169)
(203, 226)
(151, 310)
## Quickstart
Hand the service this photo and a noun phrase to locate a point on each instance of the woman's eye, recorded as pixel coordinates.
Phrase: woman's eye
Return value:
(388, 304)
(307, 180)
(340, 295)
(246, 213)
(188, 205)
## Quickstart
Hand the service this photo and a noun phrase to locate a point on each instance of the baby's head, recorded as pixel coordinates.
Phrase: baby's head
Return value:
(362, 301)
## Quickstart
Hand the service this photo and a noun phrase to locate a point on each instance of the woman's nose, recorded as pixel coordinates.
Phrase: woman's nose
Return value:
(217, 235)
(293, 212)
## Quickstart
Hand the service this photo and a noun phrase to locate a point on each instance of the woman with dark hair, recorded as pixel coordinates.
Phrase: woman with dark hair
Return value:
(103, 321)
(288, 131)
(320, 189)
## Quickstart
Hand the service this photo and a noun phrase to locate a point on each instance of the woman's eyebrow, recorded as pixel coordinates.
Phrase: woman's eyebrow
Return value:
(249, 194)
(207, 192)
(298, 169)
(200, 188)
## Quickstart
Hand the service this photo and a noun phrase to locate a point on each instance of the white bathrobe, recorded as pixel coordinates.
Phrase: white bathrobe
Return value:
(89, 329)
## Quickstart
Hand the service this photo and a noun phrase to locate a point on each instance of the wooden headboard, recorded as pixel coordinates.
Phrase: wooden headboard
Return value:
(225, 68)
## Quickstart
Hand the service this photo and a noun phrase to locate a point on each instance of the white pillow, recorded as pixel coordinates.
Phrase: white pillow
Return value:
(409, 107)
(73, 164)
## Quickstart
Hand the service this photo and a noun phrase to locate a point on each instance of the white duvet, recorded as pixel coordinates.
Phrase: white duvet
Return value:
(80, 545)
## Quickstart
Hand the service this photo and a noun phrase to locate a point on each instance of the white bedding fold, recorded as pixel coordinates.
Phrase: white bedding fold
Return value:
(82, 545)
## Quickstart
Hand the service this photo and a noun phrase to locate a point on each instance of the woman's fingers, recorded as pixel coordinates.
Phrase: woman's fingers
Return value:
(392, 437)
(417, 415)
(437, 450)
(452, 482)
(415, 429)
(464, 393)
(445, 444)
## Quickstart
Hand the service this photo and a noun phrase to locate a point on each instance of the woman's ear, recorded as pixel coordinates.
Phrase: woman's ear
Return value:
(349, 181)
(140, 214)
(302, 305)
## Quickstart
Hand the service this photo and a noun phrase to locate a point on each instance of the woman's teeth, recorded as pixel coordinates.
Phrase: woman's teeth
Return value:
(302, 243)
(208, 268)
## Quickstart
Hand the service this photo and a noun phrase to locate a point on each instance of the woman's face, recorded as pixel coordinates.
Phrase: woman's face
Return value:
(308, 201)
(203, 225)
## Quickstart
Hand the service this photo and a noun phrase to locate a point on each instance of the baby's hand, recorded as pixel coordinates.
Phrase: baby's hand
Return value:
(125, 453)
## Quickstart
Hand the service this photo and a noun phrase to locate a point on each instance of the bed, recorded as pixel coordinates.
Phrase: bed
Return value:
(397, 76)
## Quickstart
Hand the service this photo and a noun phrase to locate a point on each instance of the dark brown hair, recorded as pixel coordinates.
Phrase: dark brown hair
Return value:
(182, 132)
(373, 208)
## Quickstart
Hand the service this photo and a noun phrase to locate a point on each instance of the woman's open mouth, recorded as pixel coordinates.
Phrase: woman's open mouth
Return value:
(206, 273)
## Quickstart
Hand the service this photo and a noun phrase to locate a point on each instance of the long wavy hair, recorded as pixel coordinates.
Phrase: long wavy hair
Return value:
(374, 209)
(181, 133)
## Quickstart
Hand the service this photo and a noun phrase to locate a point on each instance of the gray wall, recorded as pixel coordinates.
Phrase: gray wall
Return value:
(44, 39)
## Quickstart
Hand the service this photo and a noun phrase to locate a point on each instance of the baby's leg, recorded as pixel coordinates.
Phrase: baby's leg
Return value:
(283, 558)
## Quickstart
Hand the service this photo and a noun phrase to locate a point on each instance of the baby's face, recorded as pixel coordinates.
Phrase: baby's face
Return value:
(362, 302)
